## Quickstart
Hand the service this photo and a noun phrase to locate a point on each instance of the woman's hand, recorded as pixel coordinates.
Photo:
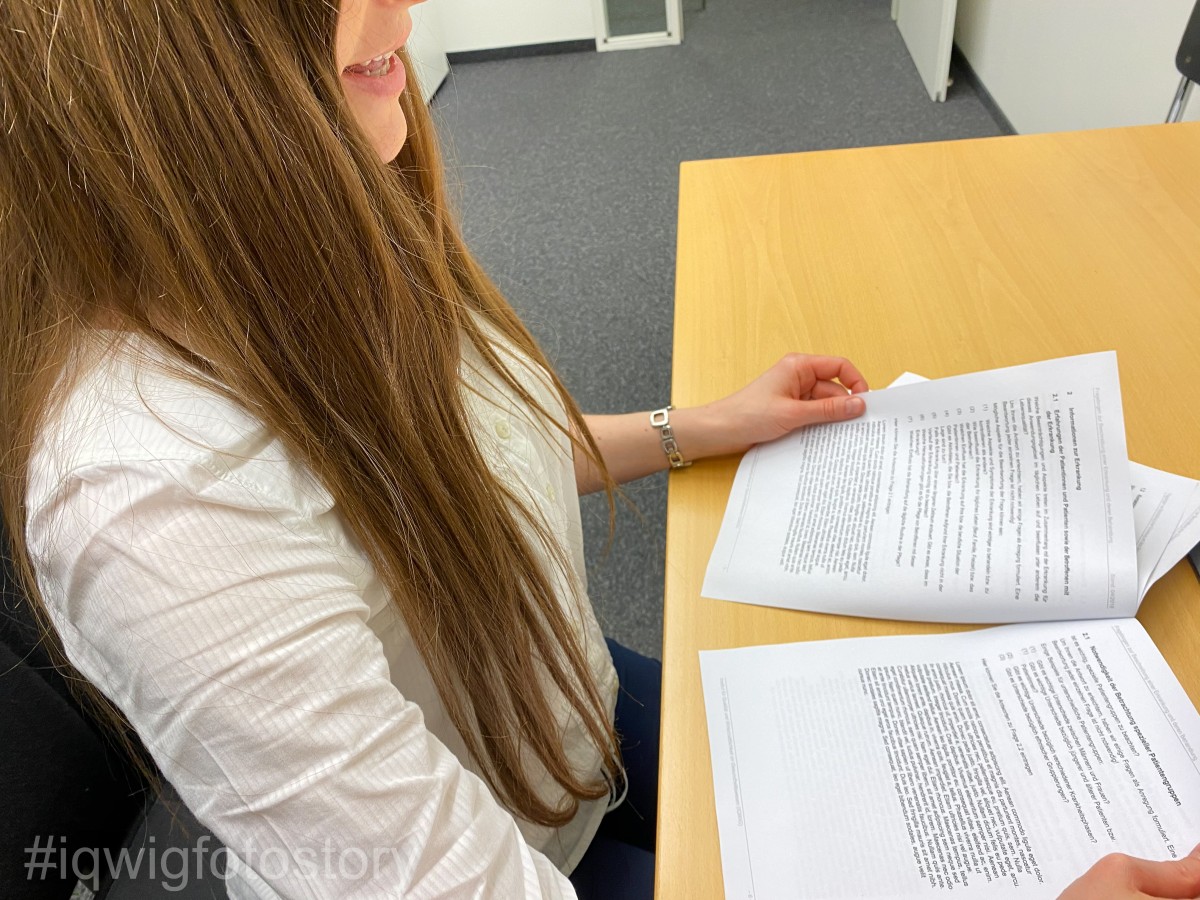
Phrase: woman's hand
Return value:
(1120, 877)
(798, 390)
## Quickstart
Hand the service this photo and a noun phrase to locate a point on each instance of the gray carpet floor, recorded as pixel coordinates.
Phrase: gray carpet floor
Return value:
(566, 173)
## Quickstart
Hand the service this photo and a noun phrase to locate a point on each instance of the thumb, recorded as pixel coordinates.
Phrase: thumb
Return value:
(830, 409)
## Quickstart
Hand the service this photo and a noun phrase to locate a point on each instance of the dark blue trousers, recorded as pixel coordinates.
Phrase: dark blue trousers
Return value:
(620, 860)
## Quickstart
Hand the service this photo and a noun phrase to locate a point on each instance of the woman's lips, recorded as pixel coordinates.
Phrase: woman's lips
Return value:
(382, 76)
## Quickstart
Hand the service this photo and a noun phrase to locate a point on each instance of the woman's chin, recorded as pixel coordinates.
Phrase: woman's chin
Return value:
(389, 145)
(386, 128)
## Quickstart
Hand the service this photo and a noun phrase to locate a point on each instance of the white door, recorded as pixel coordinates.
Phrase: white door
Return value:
(927, 27)
(427, 48)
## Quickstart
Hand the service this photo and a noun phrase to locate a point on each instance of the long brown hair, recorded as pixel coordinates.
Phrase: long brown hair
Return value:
(191, 167)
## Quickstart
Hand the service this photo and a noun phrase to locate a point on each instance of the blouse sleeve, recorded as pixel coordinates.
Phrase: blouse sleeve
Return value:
(232, 632)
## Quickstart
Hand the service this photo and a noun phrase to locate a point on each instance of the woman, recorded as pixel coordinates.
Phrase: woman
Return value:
(294, 485)
(291, 482)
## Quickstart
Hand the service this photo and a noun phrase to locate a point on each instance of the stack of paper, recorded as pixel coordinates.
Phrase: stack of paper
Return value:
(992, 497)
(993, 763)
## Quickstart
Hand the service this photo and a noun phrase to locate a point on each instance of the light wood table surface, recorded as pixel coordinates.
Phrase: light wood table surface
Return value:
(938, 258)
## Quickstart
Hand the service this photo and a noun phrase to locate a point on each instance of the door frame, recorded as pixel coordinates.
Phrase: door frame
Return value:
(672, 36)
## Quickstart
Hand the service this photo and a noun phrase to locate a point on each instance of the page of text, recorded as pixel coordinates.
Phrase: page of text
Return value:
(997, 496)
(993, 763)
(1166, 514)
(1164, 506)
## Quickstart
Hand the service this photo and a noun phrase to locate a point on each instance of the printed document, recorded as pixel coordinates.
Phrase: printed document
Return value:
(996, 496)
(994, 763)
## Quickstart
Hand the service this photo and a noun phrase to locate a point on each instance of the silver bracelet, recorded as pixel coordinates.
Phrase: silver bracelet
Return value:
(662, 421)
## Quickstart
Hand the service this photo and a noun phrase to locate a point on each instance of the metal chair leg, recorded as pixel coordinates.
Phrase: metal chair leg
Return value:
(1181, 96)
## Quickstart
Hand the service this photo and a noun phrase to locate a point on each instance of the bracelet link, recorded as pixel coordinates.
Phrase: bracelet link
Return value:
(661, 420)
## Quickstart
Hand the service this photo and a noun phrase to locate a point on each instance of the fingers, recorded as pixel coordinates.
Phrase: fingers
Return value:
(1175, 878)
(1129, 876)
(824, 389)
(830, 368)
(830, 409)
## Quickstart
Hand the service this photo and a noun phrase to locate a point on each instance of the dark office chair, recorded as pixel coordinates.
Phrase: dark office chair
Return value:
(1187, 61)
(66, 787)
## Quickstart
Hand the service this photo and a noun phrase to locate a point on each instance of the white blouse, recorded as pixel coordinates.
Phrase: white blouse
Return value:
(205, 582)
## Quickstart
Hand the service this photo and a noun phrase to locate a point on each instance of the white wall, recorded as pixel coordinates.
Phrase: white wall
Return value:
(1058, 65)
(427, 48)
(487, 24)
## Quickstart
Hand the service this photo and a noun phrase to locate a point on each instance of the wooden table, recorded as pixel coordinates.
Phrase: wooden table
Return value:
(939, 258)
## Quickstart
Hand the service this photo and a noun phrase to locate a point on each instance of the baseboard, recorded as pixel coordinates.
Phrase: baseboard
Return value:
(959, 62)
(470, 56)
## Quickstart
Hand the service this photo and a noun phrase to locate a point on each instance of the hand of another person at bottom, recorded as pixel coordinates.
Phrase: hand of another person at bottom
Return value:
(798, 390)
(1120, 877)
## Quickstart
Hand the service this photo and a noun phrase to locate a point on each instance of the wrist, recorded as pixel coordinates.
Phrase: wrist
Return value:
(700, 434)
